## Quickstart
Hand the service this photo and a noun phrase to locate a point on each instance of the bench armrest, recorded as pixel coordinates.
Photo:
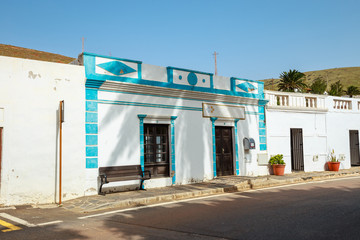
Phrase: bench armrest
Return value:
(103, 176)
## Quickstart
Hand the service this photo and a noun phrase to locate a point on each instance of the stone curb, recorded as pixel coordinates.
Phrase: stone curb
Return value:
(260, 183)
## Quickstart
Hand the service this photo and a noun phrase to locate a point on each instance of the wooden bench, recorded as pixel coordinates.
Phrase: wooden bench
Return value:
(122, 173)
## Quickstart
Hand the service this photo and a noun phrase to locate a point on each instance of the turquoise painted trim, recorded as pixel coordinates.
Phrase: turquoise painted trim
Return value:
(262, 139)
(168, 84)
(91, 106)
(91, 162)
(96, 80)
(170, 75)
(262, 147)
(262, 125)
(189, 70)
(261, 109)
(211, 81)
(91, 128)
(91, 94)
(262, 132)
(116, 68)
(263, 102)
(139, 71)
(91, 151)
(212, 119)
(236, 147)
(91, 139)
(173, 167)
(261, 117)
(103, 56)
(91, 117)
(142, 161)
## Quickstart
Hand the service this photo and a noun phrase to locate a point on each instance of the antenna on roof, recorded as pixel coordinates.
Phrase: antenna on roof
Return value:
(215, 54)
(82, 40)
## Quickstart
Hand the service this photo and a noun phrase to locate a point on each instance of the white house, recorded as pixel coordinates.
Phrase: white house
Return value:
(305, 128)
(183, 125)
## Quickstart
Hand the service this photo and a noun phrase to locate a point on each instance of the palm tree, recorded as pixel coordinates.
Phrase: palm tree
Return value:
(352, 90)
(336, 89)
(289, 81)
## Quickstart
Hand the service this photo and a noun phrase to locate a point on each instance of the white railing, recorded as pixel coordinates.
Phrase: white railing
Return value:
(342, 104)
(295, 100)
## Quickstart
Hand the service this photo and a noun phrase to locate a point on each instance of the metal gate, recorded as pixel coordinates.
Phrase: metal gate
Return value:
(354, 147)
(297, 152)
(224, 151)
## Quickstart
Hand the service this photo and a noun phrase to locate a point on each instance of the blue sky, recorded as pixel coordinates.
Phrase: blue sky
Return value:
(255, 39)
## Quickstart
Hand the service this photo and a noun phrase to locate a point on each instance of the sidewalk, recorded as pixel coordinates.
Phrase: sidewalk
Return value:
(215, 186)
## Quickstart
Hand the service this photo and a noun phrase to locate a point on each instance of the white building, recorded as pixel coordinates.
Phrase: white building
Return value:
(305, 128)
(183, 125)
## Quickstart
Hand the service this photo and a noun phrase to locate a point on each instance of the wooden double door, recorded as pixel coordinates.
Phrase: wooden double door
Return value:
(224, 151)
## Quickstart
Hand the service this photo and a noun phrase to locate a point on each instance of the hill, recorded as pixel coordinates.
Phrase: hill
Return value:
(19, 52)
(348, 76)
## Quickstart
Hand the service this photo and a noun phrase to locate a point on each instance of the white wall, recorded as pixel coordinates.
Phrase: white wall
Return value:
(119, 136)
(313, 127)
(324, 129)
(30, 92)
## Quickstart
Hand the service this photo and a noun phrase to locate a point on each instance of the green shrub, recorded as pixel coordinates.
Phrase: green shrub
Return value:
(277, 159)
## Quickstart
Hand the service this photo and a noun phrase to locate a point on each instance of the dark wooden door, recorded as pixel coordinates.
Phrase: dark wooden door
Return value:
(354, 147)
(297, 152)
(224, 151)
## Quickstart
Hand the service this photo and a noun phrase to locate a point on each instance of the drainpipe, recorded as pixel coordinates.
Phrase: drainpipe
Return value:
(61, 120)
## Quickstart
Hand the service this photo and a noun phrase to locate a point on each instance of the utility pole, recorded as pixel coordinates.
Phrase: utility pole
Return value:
(215, 54)
(83, 40)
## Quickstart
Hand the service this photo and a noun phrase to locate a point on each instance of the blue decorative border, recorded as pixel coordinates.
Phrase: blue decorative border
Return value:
(173, 166)
(91, 128)
(141, 118)
(172, 156)
(262, 128)
(95, 80)
(213, 119)
(236, 147)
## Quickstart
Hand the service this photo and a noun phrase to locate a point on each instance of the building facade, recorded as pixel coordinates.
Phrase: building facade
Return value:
(183, 125)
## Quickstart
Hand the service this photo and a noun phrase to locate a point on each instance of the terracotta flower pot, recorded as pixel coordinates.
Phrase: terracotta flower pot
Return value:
(334, 166)
(278, 169)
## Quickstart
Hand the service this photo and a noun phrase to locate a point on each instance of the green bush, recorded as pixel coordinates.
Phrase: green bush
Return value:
(277, 159)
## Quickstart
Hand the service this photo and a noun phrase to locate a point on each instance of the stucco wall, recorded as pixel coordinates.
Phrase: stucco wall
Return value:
(30, 92)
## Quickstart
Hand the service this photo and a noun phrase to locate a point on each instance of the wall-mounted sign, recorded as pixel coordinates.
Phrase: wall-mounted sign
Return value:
(223, 111)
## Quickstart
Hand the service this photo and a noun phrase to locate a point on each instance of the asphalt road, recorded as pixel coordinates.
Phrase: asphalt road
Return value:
(320, 210)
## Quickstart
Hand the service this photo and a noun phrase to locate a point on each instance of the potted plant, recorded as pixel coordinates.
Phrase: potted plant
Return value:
(333, 164)
(278, 164)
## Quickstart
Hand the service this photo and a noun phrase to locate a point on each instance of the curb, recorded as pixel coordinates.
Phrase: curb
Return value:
(261, 183)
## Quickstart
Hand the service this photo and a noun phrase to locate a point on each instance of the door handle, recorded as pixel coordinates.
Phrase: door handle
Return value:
(223, 150)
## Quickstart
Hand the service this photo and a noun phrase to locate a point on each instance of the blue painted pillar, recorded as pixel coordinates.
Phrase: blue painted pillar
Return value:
(213, 119)
(173, 169)
(141, 117)
(236, 148)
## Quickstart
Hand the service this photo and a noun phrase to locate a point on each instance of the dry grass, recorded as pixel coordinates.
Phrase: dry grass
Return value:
(19, 52)
(348, 76)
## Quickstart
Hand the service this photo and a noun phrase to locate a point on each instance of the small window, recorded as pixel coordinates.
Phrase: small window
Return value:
(156, 149)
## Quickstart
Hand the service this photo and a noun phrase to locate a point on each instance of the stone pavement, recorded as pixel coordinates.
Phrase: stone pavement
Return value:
(216, 186)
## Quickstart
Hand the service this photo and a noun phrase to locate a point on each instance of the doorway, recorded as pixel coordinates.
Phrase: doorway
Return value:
(297, 152)
(354, 147)
(224, 151)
